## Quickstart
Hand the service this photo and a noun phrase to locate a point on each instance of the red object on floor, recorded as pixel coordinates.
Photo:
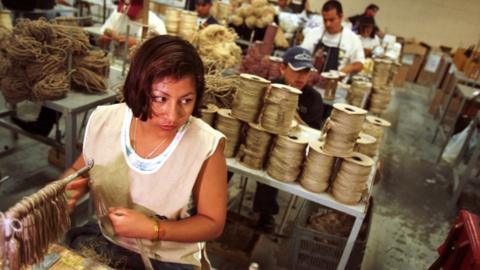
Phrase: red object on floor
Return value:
(461, 249)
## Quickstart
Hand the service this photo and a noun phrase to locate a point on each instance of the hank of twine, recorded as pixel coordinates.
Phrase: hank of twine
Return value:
(341, 129)
(279, 108)
(374, 126)
(317, 168)
(367, 145)
(230, 127)
(286, 158)
(252, 153)
(351, 180)
(208, 113)
(248, 98)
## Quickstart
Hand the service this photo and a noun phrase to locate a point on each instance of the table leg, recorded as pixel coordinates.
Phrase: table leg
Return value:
(466, 174)
(442, 117)
(244, 182)
(70, 139)
(452, 129)
(350, 243)
(291, 201)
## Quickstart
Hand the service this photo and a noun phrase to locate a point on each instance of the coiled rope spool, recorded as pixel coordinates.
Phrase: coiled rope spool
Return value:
(188, 25)
(381, 72)
(341, 129)
(317, 169)
(252, 153)
(351, 180)
(279, 108)
(208, 113)
(357, 91)
(367, 145)
(286, 158)
(374, 126)
(6, 20)
(230, 127)
(331, 85)
(381, 95)
(247, 102)
(172, 20)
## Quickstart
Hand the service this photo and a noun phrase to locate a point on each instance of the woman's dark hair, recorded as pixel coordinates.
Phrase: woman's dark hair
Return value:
(159, 57)
(364, 23)
(333, 4)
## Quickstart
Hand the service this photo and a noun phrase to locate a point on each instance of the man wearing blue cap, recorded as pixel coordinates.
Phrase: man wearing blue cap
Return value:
(296, 67)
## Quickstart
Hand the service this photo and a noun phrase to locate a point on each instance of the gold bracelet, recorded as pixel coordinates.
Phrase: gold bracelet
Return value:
(156, 230)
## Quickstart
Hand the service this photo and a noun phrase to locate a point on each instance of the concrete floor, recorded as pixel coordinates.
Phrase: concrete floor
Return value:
(411, 214)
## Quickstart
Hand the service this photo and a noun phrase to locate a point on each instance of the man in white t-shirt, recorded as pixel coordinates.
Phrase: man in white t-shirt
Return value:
(129, 13)
(335, 47)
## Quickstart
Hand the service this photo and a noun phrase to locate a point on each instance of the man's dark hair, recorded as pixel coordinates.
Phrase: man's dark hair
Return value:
(333, 4)
(373, 6)
(160, 57)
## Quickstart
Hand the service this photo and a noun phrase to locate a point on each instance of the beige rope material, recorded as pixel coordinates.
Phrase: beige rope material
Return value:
(208, 114)
(252, 154)
(341, 129)
(247, 102)
(331, 85)
(357, 91)
(317, 168)
(231, 128)
(367, 145)
(219, 89)
(279, 108)
(351, 180)
(374, 126)
(382, 88)
(286, 158)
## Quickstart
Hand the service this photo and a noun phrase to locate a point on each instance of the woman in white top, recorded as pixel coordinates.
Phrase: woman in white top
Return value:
(159, 180)
(367, 35)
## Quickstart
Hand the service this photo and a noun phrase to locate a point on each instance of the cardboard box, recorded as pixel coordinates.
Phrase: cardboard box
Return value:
(401, 76)
(413, 56)
(460, 58)
(439, 99)
(433, 68)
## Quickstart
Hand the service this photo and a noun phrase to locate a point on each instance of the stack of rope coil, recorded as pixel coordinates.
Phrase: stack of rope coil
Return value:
(248, 98)
(172, 20)
(357, 92)
(188, 25)
(381, 95)
(231, 128)
(317, 169)
(37, 54)
(219, 89)
(286, 158)
(216, 46)
(252, 153)
(279, 108)
(351, 180)
(6, 20)
(341, 129)
(374, 127)
(259, 14)
(331, 85)
(208, 113)
(367, 145)
(221, 11)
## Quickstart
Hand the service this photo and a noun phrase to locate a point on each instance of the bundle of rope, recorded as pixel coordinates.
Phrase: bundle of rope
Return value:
(341, 129)
(358, 90)
(217, 48)
(381, 72)
(33, 223)
(367, 145)
(208, 113)
(331, 85)
(351, 180)
(15, 88)
(252, 154)
(258, 14)
(65, 20)
(230, 127)
(219, 89)
(248, 98)
(279, 108)
(41, 50)
(374, 127)
(221, 11)
(381, 95)
(172, 20)
(317, 168)
(286, 158)
(188, 25)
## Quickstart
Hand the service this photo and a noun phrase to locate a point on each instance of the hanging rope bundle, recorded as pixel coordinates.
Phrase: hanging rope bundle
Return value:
(341, 129)
(172, 20)
(286, 158)
(317, 169)
(374, 127)
(248, 98)
(259, 14)
(252, 153)
(351, 180)
(231, 128)
(357, 92)
(33, 223)
(331, 85)
(367, 145)
(208, 113)
(219, 89)
(279, 108)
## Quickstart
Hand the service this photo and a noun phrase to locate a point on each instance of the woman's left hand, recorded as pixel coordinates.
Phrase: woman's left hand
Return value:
(130, 223)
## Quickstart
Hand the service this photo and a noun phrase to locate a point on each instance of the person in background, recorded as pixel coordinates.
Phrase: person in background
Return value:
(296, 68)
(159, 177)
(299, 6)
(203, 11)
(370, 12)
(333, 46)
(365, 30)
(129, 13)
(283, 6)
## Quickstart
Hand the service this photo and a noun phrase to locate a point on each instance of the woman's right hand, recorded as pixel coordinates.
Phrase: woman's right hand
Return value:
(75, 190)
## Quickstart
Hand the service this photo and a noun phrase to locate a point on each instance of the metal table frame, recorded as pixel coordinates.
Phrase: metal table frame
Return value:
(358, 211)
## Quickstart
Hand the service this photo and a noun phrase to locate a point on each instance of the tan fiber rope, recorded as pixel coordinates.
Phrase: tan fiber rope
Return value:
(252, 154)
(208, 114)
(317, 169)
(286, 158)
(231, 128)
(367, 145)
(248, 98)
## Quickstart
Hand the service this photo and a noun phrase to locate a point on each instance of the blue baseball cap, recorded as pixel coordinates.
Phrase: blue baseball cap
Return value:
(298, 58)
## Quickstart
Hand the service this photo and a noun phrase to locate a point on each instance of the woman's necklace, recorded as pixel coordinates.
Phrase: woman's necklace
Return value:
(135, 141)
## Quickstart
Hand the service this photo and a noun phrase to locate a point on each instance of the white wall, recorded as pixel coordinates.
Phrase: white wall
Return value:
(451, 23)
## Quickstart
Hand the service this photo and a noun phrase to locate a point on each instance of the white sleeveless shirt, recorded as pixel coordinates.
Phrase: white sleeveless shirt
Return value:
(161, 185)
